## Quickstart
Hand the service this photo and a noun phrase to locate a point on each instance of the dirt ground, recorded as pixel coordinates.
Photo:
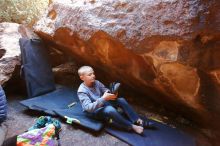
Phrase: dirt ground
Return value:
(20, 119)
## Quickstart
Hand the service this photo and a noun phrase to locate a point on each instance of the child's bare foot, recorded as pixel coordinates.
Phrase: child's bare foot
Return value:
(138, 129)
(139, 121)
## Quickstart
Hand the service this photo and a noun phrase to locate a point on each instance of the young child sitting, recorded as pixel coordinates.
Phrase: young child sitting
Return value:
(98, 103)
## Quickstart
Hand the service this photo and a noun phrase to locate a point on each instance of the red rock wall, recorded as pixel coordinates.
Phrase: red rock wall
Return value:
(168, 50)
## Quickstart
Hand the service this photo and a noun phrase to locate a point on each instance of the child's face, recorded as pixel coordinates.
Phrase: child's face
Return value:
(88, 77)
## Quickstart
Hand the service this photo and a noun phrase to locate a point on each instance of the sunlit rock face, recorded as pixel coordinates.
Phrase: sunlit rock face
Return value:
(10, 33)
(165, 49)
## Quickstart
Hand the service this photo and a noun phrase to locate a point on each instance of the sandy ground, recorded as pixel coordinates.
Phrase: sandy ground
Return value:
(20, 119)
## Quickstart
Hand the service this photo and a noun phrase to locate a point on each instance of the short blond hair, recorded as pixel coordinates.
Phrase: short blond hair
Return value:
(84, 69)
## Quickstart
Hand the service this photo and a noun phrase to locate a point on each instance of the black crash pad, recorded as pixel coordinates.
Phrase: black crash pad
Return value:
(162, 135)
(36, 68)
(56, 103)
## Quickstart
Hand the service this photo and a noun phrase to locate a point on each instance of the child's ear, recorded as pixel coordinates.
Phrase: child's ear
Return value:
(81, 77)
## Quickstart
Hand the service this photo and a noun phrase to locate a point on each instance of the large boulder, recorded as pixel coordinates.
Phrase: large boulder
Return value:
(165, 49)
(10, 33)
(9, 50)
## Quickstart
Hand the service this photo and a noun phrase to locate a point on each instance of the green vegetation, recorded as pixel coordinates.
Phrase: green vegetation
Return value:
(22, 11)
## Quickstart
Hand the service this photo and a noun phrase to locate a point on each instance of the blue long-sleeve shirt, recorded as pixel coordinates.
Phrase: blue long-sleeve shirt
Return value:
(90, 98)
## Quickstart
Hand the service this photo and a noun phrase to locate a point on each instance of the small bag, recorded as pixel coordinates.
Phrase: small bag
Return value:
(43, 133)
(44, 121)
(42, 137)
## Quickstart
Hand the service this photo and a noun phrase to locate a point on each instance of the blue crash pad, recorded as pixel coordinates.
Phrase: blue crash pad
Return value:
(163, 135)
(56, 103)
(35, 67)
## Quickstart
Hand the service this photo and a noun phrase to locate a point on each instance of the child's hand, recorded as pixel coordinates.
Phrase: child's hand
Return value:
(108, 96)
(116, 94)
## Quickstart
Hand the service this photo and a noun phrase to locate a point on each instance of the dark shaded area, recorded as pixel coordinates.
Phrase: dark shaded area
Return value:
(2, 52)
